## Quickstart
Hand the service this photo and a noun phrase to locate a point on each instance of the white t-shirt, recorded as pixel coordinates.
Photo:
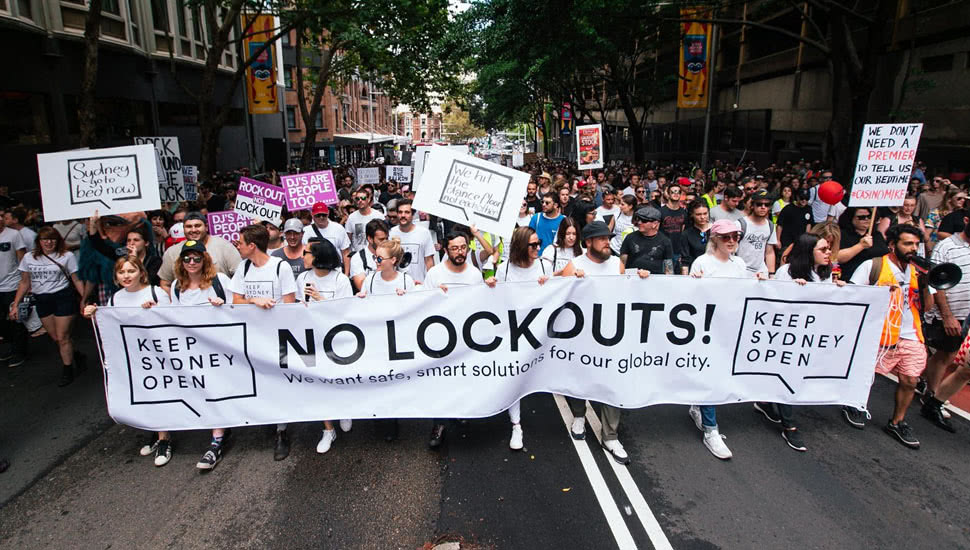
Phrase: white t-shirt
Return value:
(861, 277)
(523, 221)
(10, 243)
(836, 210)
(752, 248)
(556, 258)
(357, 265)
(334, 232)
(441, 275)
(590, 268)
(820, 208)
(332, 285)
(419, 243)
(709, 266)
(198, 296)
(604, 214)
(783, 275)
(375, 284)
(357, 227)
(45, 276)
(271, 280)
(623, 222)
(126, 298)
(29, 236)
(511, 273)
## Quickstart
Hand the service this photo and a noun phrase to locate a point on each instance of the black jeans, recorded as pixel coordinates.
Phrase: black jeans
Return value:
(14, 333)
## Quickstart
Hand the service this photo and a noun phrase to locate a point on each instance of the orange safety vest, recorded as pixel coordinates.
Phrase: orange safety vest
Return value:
(890, 328)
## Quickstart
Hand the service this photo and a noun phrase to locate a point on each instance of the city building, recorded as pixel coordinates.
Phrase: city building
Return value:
(419, 127)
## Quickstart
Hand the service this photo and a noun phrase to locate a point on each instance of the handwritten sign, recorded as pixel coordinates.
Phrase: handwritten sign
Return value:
(117, 180)
(369, 175)
(885, 164)
(259, 200)
(305, 190)
(400, 174)
(420, 158)
(171, 181)
(469, 190)
(190, 175)
(589, 143)
(227, 224)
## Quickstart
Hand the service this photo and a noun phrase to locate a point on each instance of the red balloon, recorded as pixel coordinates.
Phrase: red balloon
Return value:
(831, 192)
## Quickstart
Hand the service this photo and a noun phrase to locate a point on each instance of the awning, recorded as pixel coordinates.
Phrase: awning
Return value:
(364, 138)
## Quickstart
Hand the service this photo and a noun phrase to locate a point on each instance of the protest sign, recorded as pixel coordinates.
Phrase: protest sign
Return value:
(475, 350)
(259, 200)
(227, 224)
(589, 143)
(400, 174)
(117, 180)
(305, 190)
(518, 159)
(190, 175)
(885, 164)
(172, 186)
(420, 158)
(459, 149)
(470, 190)
(370, 175)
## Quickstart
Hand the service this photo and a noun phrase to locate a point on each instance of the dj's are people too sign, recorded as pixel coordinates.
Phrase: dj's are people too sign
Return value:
(473, 351)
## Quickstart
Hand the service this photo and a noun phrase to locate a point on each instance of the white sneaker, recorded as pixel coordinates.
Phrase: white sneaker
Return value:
(148, 449)
(695, 413)
(616, 449)
(578, 429)
(715, 444)
(346, 424)
(326, 441)
(516, 442)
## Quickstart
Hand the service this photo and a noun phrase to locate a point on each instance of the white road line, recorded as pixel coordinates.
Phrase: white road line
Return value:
(613, 517)
(952, 408)
(644, 513)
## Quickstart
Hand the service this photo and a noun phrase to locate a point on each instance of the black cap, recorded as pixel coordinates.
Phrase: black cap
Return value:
(596, 229)
(802, 194)
(192, 246)
(761, 194)
(648, 213)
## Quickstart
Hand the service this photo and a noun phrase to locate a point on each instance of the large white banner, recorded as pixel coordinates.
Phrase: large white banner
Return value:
(473, 351)
(885, 164)
(73, 184)
(171, 178)
(470, 190)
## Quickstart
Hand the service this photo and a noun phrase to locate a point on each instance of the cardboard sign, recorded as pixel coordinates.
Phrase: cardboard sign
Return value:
(589, 143)
(420, 158)
(469, 190)
(259, 200)
(117, 180)
(171, 181)
(190, 175)
(305, 190)
(227, 224)
(885, 164)
(368, 175)
(400, 174)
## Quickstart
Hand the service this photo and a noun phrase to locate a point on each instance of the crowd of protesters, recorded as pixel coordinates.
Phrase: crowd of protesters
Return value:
(658, 218)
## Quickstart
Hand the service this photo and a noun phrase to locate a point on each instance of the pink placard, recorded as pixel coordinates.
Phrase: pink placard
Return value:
(305, 190)
(227, 224)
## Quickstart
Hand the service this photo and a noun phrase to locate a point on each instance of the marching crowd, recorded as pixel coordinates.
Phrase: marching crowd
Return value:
(732, 221)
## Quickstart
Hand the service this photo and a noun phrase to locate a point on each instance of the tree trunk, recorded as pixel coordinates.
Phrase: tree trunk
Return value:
(309, 110)
(87, 119)
(633, 121)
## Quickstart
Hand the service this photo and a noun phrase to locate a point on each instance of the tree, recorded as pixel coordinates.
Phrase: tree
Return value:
(458, 123)
(87, 117)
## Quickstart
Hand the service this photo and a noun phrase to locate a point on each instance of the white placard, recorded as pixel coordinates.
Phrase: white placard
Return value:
(400, 174)
(190, 174)
(419, 159)
(117, 180)
(459, 149)
(474, 351)
(171, 180)
(469, 190)
(885, 164)
(370, 175)
(518, 159)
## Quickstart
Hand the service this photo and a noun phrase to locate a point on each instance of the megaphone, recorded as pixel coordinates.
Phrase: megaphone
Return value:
(939, 276)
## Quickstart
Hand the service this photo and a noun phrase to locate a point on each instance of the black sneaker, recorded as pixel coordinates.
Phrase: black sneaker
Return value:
(16, 360)
(437, 436)
(67, 376)
(921, 386)
(903, 433)
(210, 458)
(855, 417)
(282, 448)
(768, 409)
(163, 452)
(935, 414)
(80, 362)
(794, 439)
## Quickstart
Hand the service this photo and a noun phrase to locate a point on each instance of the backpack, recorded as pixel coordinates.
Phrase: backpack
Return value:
(744, 227)
(216, 285)
(249, 263)
(111, 302)
(363, 259)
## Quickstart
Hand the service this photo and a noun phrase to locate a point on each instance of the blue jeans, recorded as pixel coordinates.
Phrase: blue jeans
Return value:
(708, 416)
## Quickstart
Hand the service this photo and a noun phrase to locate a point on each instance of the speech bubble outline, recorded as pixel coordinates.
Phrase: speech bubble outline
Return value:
(744, 323)
(70, 180)
(505, 193)
(245, 353)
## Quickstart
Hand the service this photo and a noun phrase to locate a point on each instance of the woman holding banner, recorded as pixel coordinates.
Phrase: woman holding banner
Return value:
(859, 242)
(130, 274)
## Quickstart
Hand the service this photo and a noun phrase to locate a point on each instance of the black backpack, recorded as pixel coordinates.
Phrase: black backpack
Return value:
(216, 285)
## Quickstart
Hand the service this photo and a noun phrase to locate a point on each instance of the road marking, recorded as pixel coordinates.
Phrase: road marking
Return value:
(633, 494)
(624, 539)
(950, 407)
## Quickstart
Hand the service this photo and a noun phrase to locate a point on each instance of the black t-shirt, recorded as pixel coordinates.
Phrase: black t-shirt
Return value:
(793, 220)
(953, 222)
(647, 252)
(387, 197)
(672, 224)
(693, 245)
(849, 239)
(535, 204)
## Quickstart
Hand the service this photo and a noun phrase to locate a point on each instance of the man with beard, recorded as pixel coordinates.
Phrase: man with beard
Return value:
(365, 261)
(292, 252)
(901, 348)
(224, 255)
(531, 198)
(415, 239)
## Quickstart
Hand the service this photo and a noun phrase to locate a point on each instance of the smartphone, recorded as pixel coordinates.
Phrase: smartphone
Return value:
(306, 290)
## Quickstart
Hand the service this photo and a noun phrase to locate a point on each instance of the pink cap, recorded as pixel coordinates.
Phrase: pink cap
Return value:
(722, 227)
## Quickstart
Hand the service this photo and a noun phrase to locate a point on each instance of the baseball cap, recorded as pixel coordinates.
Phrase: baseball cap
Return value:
(648, 213)
(195, 215)
(596, 229)
(761, 195)
(722, 227)
(293, 224)
(192, 246)
(177, 231)
(320, 208)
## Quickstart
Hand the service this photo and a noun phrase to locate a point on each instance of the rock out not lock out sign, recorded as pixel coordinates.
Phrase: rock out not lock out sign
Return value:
(259, 200)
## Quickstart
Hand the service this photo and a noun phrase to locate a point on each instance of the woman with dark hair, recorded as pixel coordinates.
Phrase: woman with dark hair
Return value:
(857, 244)
(696, 234)
(139, 244)
(566, 247)
(623, 223)
(785, 195)
(49, 272)
(161, 220)
(583, 212)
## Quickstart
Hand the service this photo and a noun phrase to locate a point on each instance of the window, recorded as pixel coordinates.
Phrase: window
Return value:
(318, 121)
(25, 9)
(291, 118)
(937, 63)
(288, 76)
(160, 15)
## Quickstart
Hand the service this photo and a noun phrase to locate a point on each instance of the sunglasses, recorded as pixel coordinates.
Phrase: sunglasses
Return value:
(319, 215)
(762, 204)
(379, 259)
(358, 199)
(865, 217)
(192, 259)
(730, 237)
(533, 245)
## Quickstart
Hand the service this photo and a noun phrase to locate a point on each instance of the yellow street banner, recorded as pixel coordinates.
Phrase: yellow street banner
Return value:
(261, 75)
(693, 70)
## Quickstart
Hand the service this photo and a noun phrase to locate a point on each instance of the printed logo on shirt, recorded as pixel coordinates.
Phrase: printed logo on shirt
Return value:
(4, 247)
(43, 273)
(259, 289)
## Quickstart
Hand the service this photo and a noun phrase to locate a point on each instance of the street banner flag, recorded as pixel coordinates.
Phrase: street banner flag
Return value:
(693, 70)
(261, 75)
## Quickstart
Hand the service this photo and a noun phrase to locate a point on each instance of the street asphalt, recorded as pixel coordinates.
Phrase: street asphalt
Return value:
(76, 481)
